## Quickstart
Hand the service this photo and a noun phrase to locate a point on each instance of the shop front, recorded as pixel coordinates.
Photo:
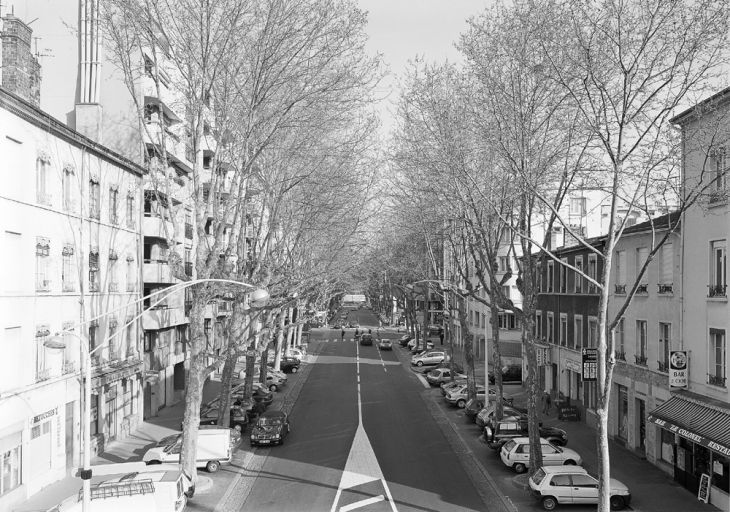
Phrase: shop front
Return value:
(695, 440)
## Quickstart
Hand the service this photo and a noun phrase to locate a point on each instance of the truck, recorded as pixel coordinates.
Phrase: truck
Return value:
(214, 448)
(133, 486)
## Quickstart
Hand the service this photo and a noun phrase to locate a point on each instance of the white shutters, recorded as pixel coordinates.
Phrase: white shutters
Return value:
(642, 253)
(667, 264)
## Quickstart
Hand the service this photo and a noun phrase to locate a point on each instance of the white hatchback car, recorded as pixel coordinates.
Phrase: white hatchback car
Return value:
(572, 484)
(516, 454)
(429, 357)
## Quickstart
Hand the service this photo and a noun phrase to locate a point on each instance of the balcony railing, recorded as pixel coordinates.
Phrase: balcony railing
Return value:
(42, 374)
(620, 289)
(69, 286)
(642, 289)
(621, 356)
(716, 380)
(113, 287)
(666, 288)
(43, 285)
(45, 199)
(68, 367)
(717, 290)
(662, 366)
(640, 360)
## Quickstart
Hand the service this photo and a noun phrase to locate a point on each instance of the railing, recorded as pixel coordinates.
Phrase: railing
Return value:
(44, 199)
(113, 287)
(620, 289)
(93, 286)
(95, 213)
(642, 289)
(717, 290)
(113, 218)
(131, 223)
(68, 367)
(114, 490)
(640, 360)
(68, 287)
(666, 288)
(42, 374)
(43, 285)
(717, 196)
(662, 366)
(716, 380)
(621, 356)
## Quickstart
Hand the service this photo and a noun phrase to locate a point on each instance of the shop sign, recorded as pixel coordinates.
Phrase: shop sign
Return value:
(47, 414)
(590, 364)
(678, 369)
(703, 493)
(543, 355)
(573, 366)
(692, 436)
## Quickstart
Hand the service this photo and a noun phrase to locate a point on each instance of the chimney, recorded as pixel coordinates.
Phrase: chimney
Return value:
(21, 72)
(87, 114)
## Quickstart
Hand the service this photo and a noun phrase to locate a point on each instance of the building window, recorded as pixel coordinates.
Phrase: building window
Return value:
(719, 169)
(717, 373)
(641, 340)
(538, 277)
(93, 333)
(503, 263)
(550, 276)
(131, 274)
(620, 337)
(642, 253)
(41, 337)
(620, 271)
(11, 476)
(538, 325)
(42, 262)
(592, 272)
(578, 332)
(563, 276)
(68, 278)
(666, 279)
(94, 199)
(130, 212)
(563, 329)
(114, 341)
(94, 423)
(94, 269)
(43, 165)
(665, 341)
(112, 270)
(592, 331)
(550, 327)
(68, 187)
(578, 206)
(718, 269)
(131, 339)
(113, 205)
(578, 282)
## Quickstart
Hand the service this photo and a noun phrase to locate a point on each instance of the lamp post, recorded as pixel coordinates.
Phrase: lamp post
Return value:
(259, 297)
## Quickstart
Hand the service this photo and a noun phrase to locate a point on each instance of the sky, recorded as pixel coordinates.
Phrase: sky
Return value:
(400, 30)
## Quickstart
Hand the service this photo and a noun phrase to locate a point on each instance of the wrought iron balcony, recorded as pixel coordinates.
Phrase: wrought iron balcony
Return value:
(642, 289)
(68, 367)
(640, 360)
(716, 380)
(662, 366)
(42, 374)
(620, 289)
(666, 288)
(717, 290)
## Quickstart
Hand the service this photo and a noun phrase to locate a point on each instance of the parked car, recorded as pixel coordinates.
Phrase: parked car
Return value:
(458, 396)
(472, 408)
(572, 484)
(385, 344)
(404, 340)
(214, 448)
(429, 357)
(239, 418)
(272, 427)
(366, 339)
(262, 394)
(295, 353)
(439, 375)
(514, 427)
(447, 387)
(174, 438)
(420, 347)
(486, 415)
(289, 365)
(515, 454)
(511, 373)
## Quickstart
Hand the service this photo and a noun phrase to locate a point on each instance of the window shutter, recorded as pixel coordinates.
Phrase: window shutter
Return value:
(667, 263)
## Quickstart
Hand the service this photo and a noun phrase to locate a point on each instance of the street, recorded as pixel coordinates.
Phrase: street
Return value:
(332, 461)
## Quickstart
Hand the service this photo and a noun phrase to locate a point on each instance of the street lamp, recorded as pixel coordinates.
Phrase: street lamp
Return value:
(259, 298)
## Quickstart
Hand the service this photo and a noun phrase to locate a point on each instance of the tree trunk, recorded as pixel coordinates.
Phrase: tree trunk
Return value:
(279, 340)
(426, 316)
(264, 368)
(194, 386)
(496, 363)
(468, 350)
(533, 392)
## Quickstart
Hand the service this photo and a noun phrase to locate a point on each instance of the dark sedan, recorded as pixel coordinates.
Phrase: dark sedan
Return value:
(272, 427)
(366, 339)
(289, 365)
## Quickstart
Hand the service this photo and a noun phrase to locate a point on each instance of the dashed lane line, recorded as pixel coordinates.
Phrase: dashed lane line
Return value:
(362, 503)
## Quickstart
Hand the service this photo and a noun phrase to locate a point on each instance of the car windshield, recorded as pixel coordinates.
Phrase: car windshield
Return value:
(538, 476)
(509, 445)
(269, 421)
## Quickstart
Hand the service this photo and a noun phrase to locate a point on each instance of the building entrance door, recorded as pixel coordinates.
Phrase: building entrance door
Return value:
(641, 424)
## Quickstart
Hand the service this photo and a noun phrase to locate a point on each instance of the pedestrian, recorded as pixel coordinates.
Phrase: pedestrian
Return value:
(547, 402)
(370, 331)
(441, 335)
(343, 334)
(357, 332)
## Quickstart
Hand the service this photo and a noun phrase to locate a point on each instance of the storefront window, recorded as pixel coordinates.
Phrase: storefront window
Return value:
(11, 475)
(94, 423)
(720, 472)
(667, 446)
(702, 460)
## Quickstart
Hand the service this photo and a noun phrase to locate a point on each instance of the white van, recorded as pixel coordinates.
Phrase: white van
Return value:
(214, 448)
(134, 486)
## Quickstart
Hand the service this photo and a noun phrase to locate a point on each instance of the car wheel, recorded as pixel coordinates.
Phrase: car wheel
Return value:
(294, 369)
(549, 503)
(569, 462)
(617, 502)
(519, 468)
(212, 466)
(273, 388)
(461, 404)
(419, 363)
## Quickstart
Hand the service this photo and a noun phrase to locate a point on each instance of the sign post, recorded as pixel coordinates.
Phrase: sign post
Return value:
(703, 493)
(590, 364)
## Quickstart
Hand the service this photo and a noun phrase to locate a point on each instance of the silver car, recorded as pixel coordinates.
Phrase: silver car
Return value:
(430, 357)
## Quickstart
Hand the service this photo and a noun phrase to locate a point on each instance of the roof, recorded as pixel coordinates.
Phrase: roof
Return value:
(663, 222)
(696, 420)
(552, 470)
(714, 100)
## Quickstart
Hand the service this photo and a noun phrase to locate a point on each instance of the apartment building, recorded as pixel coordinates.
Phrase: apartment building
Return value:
(648, 331)
(71, 245)
(694, 423)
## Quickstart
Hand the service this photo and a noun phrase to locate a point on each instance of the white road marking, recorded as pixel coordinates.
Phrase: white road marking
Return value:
(362, 503)
(423, 381)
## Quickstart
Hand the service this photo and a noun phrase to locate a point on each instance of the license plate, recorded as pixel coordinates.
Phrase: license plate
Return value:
(264, 441)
